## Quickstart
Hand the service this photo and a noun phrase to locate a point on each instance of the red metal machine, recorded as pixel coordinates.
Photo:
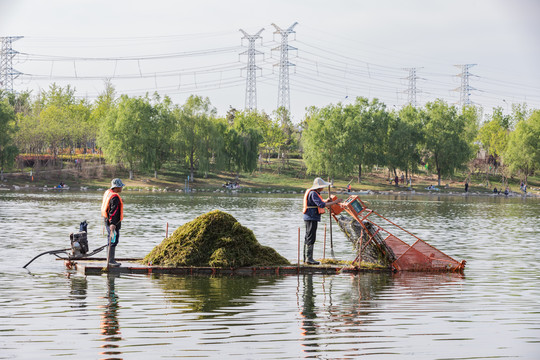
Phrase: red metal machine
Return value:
(420, 256)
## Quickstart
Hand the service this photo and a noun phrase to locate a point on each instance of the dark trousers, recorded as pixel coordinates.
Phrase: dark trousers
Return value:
(311, 232)
(117, 231)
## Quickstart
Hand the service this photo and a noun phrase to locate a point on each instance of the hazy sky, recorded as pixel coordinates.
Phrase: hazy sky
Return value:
(345, 49)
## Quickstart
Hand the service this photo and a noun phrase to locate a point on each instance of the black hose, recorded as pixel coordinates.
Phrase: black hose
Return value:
(52, 252)
(56, 252)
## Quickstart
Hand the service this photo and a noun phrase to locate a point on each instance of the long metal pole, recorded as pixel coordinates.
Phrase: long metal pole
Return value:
(299, 246)
(331, 241)
(324, 244)
(109, 249)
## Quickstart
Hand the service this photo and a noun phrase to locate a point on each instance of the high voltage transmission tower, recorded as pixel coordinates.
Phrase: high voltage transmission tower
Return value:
(7, 73)
(284, 96)
(251, 82)
(411, 90)
(465, 89)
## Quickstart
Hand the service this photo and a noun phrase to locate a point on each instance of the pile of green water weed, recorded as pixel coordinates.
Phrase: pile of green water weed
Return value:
(213, 239)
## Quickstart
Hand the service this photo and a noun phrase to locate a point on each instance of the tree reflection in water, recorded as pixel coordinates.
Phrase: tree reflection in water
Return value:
(110, 328)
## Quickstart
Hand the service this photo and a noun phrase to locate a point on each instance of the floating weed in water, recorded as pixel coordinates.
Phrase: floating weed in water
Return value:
(213, 239)
(363, 265)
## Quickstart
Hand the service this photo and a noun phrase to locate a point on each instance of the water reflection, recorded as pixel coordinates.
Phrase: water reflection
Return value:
(308, 313)
(347, 318)
(493, 312)
(208, 294)
(110, 328)
(78, 291)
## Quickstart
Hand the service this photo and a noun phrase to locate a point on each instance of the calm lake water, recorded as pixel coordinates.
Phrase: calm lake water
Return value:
(492, 311)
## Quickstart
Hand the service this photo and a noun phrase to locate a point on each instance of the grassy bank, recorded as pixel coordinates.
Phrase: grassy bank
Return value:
(270, 177)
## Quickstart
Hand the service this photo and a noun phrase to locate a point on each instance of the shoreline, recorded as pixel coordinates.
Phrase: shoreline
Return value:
(270, 191)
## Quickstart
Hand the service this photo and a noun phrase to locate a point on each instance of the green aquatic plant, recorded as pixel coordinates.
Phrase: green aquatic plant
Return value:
(213, 239)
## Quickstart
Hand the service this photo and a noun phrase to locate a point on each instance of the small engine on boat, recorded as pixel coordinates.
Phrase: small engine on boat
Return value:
(79, 241)
(79, 246)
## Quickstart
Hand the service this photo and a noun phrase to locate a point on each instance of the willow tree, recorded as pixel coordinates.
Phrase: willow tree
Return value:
(8, 150)
(243, 139)
(194, 135)
(367, 126)
(325, 141)
(128, 132)
(523, 152)
(158, 148)
(405, 136)
(445, 140)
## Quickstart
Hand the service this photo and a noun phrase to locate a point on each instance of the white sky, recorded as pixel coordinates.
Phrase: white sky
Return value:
(346, 48)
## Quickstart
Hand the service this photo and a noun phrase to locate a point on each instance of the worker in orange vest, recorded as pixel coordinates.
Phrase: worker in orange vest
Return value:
(314, 206)
(112, 210)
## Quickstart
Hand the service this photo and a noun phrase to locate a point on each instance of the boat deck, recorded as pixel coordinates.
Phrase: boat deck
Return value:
(134, 266)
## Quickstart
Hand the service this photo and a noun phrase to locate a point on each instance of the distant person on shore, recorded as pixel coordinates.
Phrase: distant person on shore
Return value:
(396, 180)
(112, 210)
(314, 206)
(523, 187)
(466, 186)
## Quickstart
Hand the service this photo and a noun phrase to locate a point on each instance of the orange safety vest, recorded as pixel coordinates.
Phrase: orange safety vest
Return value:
(321, 210)
(105, 204)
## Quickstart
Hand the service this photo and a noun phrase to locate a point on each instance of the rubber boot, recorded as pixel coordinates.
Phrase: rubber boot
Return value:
(310, 260)
(112, 262)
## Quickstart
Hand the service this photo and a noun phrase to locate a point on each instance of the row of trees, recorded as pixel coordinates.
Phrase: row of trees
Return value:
(337, 140)
(341, 138)
(143, 132)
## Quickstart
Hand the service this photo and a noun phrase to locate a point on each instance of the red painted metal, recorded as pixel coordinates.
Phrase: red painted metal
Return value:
(419, 256)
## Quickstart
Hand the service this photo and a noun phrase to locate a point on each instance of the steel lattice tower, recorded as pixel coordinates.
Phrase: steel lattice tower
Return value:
(284, 96)
(465, 89)
(411, 90)
(7, 73)
(251, 82)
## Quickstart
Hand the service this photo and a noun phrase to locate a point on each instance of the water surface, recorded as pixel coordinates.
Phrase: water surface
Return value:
(492, 311)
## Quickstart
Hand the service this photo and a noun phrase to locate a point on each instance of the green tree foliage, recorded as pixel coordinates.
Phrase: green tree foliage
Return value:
(325, 139)
(128, 133)
(504, 121)
(367, 124)
(493, 137)
(404, 137)
(105, 103)
(445, 142)
(193, 139)
(54, 122)
(520, 112)
(243, 139)
(523, 151)
(472, 116)
(8, 150)
(144, 133)
(19, 101)
(339, 138)
(290, 135)
(158, 150)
